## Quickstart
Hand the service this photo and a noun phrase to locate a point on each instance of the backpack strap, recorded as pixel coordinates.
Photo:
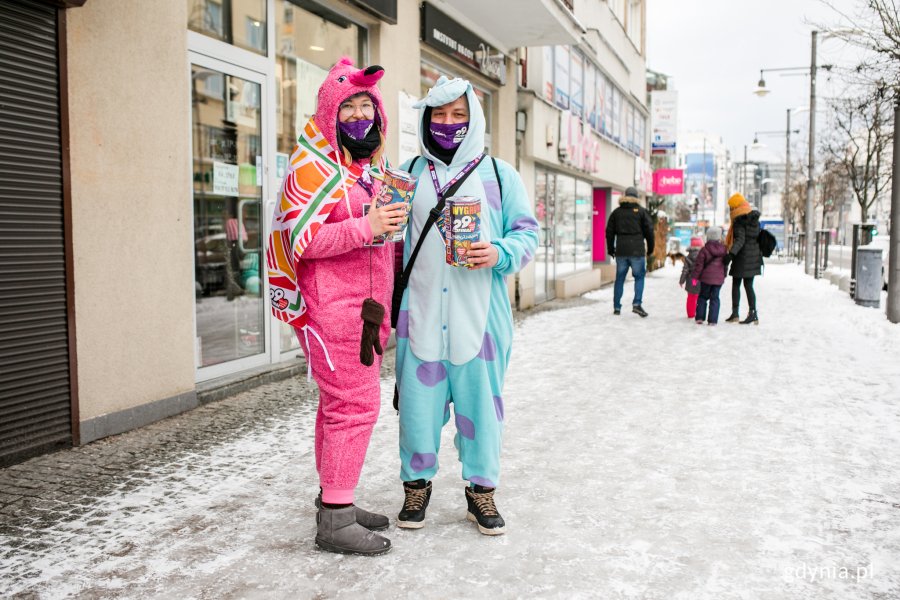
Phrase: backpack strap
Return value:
(497, 175)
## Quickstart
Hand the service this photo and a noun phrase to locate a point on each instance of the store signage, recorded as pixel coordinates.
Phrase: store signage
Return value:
(446, 35)
(386, 10)
(663, 122)
(225, 179)
(643, 175)
(578, 146)
(668, 181)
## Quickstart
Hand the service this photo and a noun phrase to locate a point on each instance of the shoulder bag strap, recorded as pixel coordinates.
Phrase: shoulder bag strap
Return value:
(433, 215)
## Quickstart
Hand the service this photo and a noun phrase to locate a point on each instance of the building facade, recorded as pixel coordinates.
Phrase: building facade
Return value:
(583, 133)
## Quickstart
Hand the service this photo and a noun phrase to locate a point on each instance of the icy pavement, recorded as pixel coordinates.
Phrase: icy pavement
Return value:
(643, 458)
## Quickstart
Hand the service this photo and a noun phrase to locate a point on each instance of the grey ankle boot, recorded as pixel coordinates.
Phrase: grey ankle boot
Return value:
(339, 532)
(369, 520)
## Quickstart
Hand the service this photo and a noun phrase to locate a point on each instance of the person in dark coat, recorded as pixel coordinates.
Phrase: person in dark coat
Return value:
(744, 255)
(709, 270)
(690, 284)
(629, 226)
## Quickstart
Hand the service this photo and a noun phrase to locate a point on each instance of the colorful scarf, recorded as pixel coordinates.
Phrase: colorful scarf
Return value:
(313, 185)
(741, 209)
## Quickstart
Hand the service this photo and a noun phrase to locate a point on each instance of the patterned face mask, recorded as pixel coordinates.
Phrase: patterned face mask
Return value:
(449, 136)
(356, 130)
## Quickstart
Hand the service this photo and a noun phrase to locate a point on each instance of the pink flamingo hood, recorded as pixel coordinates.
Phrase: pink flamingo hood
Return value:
(345, 80)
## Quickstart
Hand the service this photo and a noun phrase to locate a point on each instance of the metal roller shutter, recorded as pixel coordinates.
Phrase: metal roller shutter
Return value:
(35, 401)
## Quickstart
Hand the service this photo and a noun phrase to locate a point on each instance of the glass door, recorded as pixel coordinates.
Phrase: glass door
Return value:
(232, 326)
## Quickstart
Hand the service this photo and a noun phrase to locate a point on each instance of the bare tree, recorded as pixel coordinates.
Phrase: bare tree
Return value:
(858, 146)
(833, 188)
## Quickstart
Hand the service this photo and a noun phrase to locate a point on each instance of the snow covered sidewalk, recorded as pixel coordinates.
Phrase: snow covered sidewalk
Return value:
(643, 458)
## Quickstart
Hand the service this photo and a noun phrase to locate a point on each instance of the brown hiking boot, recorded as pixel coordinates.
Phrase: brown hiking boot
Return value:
(412, 515)
(483, 511)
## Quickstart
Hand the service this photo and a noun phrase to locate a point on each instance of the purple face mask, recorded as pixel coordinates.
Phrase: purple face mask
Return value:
(356, 129)
(449, 136)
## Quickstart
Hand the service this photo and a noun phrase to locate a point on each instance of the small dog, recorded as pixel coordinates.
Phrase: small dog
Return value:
(676, 256)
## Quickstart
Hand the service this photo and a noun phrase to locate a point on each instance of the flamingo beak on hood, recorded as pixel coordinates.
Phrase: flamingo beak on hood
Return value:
(367, 77)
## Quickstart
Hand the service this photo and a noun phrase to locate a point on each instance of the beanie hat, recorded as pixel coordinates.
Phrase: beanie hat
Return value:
(632, 192)
(714, 233)
(696, 242)
(343, 81)
(736, 200)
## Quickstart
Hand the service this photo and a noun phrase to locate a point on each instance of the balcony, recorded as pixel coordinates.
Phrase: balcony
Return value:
(523, 23)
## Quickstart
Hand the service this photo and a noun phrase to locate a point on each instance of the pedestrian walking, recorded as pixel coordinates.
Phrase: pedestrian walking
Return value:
(328, 285)
(709, 272)
(690, 284)
(744, 256)
(629, 226)
(454, 324)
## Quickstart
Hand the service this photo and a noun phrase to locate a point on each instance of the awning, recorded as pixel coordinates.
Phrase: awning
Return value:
(517, 23)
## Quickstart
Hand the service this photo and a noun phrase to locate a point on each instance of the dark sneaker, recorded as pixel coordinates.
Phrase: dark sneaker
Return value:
(369, 520)
(617, 311)
(412, 515)
(483, 511)
(337, 531)
(636, 309)
(698, 322)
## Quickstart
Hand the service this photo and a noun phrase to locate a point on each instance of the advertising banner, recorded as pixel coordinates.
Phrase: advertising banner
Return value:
(663, 123)
(668, 182)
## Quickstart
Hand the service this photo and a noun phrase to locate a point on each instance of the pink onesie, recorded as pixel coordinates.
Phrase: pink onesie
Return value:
(334, 275)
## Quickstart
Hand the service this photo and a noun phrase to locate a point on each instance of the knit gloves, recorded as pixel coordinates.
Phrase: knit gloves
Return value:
(372, 316)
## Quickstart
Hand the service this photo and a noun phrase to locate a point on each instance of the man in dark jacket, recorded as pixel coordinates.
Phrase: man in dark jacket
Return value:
(629, 226)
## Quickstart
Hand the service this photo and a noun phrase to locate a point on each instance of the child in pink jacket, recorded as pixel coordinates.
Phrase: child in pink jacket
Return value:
(329, 282)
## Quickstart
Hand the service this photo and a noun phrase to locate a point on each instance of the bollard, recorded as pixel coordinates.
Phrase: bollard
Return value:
(868, 276)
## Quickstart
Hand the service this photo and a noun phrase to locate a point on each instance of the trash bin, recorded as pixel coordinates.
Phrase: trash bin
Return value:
(868, 276)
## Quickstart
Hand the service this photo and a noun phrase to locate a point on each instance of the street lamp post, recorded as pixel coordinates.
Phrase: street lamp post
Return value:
(810, 185)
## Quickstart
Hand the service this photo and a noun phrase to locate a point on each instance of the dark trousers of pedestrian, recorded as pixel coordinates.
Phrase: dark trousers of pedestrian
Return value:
(708, 294)
(736, 293)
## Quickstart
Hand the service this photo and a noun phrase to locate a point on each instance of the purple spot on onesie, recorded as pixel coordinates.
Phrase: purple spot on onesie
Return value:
(488, 349)
(465, 427)
(498, 406)
(525, 224)
(482, 482)
(431, 373)
(420, 462)
(492, 193)
(403, 324)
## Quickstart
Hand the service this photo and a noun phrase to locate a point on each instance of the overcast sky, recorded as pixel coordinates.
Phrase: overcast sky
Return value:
(714, 50)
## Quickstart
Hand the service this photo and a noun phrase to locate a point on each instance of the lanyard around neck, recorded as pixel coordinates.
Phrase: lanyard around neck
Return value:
(440, 191)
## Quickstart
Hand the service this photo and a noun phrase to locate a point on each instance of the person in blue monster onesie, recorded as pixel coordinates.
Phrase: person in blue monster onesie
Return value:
(455, 327)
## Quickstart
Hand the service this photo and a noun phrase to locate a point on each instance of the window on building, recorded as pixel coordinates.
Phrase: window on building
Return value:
(590, 94)
(634, 21)
(561, 76)
(576, 78)
(242, 23)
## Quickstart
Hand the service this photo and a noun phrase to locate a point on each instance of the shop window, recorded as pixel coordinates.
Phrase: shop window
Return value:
(584, 225)
(308, 45)
(227, 198)
(241, 23)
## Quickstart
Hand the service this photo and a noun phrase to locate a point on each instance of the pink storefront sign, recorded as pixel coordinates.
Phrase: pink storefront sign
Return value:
(668, 181)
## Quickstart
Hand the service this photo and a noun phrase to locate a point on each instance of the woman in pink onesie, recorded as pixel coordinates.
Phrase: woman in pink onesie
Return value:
(322, 267)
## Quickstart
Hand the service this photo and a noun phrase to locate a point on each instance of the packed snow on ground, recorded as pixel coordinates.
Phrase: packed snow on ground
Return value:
(643, 458)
